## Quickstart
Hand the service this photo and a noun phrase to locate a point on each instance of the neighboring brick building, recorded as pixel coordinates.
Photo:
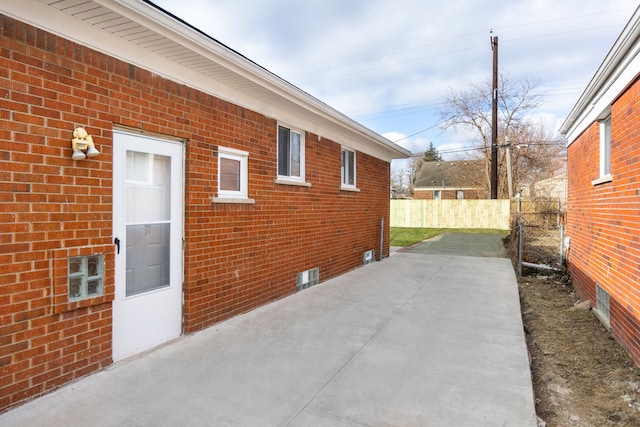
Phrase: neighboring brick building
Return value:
(217, 184)
(603, 208)
(460, 179)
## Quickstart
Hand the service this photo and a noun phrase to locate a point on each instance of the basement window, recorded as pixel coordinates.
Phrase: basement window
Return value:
(601, 309)
(307, 279)
(85, 277)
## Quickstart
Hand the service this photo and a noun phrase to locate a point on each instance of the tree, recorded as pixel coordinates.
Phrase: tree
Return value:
(432, 154)
(398, 186)
(470, 110)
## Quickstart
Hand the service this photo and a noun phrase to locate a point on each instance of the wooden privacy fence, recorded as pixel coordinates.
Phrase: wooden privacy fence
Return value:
(494, 214)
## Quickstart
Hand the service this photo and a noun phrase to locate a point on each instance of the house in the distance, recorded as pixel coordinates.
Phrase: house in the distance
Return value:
(547, 187)
(154, 182)
(460, 179)
(603, 208)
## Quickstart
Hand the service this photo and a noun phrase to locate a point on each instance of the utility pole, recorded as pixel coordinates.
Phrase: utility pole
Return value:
(509, 171)
(494, 120)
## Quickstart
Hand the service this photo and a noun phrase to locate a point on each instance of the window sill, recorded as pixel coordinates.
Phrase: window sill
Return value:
(233, 200)
(282, 181)
(602, 180)
(352, 189)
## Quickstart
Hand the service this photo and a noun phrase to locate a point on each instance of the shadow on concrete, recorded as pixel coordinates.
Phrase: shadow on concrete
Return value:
(463, 244)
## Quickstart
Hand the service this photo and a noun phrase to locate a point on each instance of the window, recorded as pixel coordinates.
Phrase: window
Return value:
(85, 277)
(436, 194)
(601, 310)
(232, 173)
(460, 195)
(605, 147)
(307, 278)
(290, 154)
(348, 168)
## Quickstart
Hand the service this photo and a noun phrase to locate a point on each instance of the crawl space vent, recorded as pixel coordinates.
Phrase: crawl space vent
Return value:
(307, 278)
(602, 306)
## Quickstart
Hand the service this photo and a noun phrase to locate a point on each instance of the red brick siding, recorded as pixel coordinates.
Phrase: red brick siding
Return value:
(237, 257)
(603, 221)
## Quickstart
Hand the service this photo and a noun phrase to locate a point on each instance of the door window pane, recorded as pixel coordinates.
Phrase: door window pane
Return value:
(148, 222)
(148, 264)
(149, 199)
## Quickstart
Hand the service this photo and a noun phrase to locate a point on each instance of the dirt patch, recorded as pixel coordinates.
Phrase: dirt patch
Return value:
(581, 375)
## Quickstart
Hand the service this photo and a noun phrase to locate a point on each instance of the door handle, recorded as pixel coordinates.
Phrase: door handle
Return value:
(116, 242)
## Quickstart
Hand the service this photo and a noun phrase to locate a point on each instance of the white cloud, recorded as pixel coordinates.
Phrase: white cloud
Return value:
(388, 64)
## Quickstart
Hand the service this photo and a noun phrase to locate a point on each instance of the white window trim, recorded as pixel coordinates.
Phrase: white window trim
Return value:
(604, 130)
(228, 196)
(288, 179)
(343, 185)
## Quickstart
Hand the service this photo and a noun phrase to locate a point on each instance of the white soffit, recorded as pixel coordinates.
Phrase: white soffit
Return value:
(620, 67)
(141, 34)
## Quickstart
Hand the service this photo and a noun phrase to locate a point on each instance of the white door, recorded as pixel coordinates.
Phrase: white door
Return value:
(147, 230)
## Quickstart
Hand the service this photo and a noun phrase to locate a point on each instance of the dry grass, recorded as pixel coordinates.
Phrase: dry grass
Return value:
(582, 376)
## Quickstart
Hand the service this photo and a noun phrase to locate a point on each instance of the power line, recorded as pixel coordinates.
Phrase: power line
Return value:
(417, 133)
(552, 143)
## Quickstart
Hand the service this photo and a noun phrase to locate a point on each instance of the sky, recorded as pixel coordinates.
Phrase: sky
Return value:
(389, 64)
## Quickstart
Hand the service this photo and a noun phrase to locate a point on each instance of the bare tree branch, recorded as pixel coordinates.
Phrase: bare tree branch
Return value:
(469, 109)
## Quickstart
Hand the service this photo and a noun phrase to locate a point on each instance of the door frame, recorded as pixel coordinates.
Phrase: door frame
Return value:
(129, 138)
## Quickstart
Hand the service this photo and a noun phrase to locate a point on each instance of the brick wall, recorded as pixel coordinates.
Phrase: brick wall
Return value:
(237, 257)
(449, 194)
(603, 220)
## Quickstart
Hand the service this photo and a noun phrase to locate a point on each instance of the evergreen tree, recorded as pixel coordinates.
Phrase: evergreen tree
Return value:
(432, 155)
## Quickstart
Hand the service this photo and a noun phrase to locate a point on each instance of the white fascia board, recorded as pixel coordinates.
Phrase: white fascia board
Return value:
(311, 115)
(619, 68)
(42, 16)
(355, 133)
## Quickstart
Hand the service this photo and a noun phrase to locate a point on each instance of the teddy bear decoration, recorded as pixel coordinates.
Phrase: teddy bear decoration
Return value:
(81, 143)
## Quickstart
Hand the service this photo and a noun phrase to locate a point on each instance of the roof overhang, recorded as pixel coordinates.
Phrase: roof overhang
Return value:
(620, 67)
(142, 34)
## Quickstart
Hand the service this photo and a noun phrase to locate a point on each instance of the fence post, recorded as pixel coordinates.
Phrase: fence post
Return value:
(561, 263)
(520, 244)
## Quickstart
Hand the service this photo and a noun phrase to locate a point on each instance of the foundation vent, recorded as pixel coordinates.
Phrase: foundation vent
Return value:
(369, 256)
(308, 278)
(601, 309)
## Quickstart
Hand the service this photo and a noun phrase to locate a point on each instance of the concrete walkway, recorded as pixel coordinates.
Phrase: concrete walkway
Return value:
(414, 340)
(469, 244)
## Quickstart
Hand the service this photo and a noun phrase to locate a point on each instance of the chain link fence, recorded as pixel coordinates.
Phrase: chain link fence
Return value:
(537, 236)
